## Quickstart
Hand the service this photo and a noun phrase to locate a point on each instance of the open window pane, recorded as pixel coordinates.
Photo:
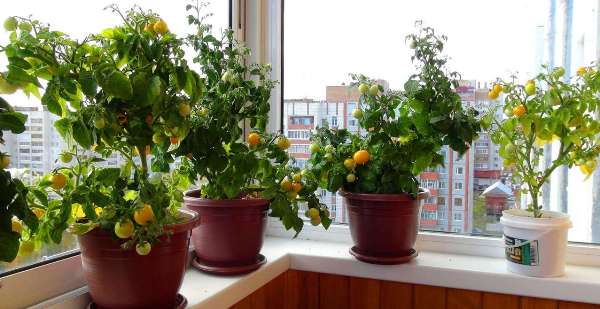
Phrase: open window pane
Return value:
(486, 40)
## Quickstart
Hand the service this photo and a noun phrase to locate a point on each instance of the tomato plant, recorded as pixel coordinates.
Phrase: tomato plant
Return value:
(549, 108)
(234, 105)
(126, 90)
(402, 131)
(14, 209)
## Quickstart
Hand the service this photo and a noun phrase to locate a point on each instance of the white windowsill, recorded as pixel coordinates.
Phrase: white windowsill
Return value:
(580, 283)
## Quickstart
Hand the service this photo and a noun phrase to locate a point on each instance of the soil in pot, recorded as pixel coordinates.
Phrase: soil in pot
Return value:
(384, 227)
(535, 247)
(230, 235)
(120, 278)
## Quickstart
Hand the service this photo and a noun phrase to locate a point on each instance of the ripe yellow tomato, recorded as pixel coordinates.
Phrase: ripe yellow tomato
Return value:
(283, 143)
(124, 229)
(315, 221)
(297, 177)
(58, 180)
(4, 161)
(160, 27)
(313, 213)
(253, 139)
(174, 140)
(285, 185)
(361, 157)
(349, 164)
(296, 186)
(519, 110)
(493, 95)
(497, 88)
(581, 71)
(144, 215)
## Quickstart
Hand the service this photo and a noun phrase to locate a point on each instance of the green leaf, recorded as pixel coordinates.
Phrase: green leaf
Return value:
(81, 134)
(88, 83)
(108, 176)
(16, 75)
(9, 246)
(82, 228)
(50, 100)
(13, 121)
(118, 85)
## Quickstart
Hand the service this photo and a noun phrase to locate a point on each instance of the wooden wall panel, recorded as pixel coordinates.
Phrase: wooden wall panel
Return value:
(500, 301)
(395, 295)
(464, 299)
(538, 303)
(429, 297)
(301, 290)
(364, 293)
(307, 290)
(334, 291)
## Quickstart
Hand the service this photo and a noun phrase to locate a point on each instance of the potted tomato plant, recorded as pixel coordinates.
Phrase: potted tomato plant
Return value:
(239, 181)
(127, 90)
(544, 110)
(402, 134)
(18, 221)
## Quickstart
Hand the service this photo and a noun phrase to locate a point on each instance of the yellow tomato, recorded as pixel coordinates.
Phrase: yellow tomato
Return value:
(283, 143)
(144, 215)
(39, 213)
(59, 181)
(313, 213)
(361, 157)
(349, 164)
(16, 225)
(493, 95)
(581, 71)
(285, 185)
(351, 178)
(519, 110)
(143, 248)
(296, 187)
(4, 162)
(497, 88)
(253, 139)
(315, 221)
(124, 229)
(160, 27)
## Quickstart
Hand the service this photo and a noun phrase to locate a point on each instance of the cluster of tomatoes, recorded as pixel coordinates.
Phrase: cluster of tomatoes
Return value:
(360, 157)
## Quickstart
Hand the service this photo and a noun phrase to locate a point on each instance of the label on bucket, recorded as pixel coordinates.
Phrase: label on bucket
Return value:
(526, 254)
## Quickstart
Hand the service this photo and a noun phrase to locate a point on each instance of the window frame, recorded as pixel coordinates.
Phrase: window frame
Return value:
(577, 253)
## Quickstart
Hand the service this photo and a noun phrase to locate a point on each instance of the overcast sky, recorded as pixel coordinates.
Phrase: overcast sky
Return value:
(326, 40)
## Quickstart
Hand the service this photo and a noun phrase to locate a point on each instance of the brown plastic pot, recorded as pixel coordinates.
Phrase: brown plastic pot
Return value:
(230, 235)
(384, 227)
(120, 278)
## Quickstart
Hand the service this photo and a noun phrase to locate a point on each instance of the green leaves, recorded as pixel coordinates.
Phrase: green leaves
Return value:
(9, 245)
(10, 120)
(117, 84)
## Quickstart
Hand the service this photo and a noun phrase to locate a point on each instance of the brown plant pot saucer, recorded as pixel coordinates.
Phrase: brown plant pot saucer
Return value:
(180, 303)
(383, 260)
(228, 270)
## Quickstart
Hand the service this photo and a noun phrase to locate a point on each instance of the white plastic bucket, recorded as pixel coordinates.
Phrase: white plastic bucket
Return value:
(535, 247)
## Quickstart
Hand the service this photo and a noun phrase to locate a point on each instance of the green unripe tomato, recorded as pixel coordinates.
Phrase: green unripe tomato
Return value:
(374, 90)
(350, 178)
(25, 26)
(158, 138)
(4, 161)
(412, 44)
(143, 248)
(99, 123)
(329, 148)
(508, 111)
(530, 88)
(10, 24)
(363, 88)
(66, 157)
(314, 147)
(558, 72)
(297, 177)
(328, 156)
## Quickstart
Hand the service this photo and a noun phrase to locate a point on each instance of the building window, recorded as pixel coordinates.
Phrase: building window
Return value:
(442, 184)
(441, 200)
(299, 134)
(458, 185)
(428, 215)
(459, 171)
(333, 121)
(458, 216)
(458, 202)
(301, 120)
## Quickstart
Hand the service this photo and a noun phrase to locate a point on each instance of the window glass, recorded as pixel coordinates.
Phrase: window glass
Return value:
(483, 44)
(77, 18)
